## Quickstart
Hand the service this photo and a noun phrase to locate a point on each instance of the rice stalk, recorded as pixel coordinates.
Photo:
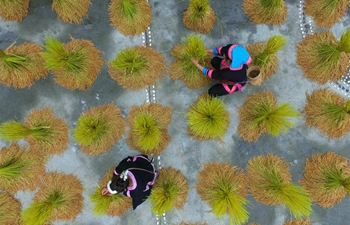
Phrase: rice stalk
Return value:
(326, 13)
(51, 135)
(199, 16)
(115, 205)
(136, 68)
(22, 65)
(327, 111)
(99, 128)
(224, 188)
(260, 114)
(264, 55)
(170, 191)
(344, 43)
(130, 17)
(14, 10)
(148, 123)
(269, 182)
(20, 169)
(71, 11)
(9, 209)
(75, 64)
(326, 178)
(182, 68)
(59, 198)
(266, 11)
(208, 118)
(320, 57)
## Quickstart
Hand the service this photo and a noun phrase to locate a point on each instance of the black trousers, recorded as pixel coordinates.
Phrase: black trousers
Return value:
(218, 89)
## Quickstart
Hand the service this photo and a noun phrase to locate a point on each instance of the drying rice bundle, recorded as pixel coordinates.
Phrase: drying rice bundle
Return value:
(326, 12)
(99, 128)
(10, 209)
(136, 68)
(223, 187)
(322, 57)
(148, 123)
(208, 118)
(20, 169)
(71, 11)
(328, 112)
(115, 205)
(130, 17)
(14, 10)
(266, 11)
(59, 198)
(169, 191)
(75, 64)
(183, 68)
(327, 178)
(199, 16)
(22, 65)
(269, 182)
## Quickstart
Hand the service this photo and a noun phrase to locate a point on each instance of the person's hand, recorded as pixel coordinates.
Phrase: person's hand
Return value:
(195, 62)
(105, 192)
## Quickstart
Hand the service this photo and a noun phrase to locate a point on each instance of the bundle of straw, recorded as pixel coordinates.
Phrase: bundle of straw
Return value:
(169, 191)
(130, 17)
(322, 57)
(328, 112)
(208, 118)
(191, 47)
(298, 222)
(136, 68)
(22, 65)
(14, 10)
(224, 188)
(20, 169)
(148, 123)
(327, 178)
(266, 11)
(71, 11)
(199, 16)
(10, 209)
(99, 128)
(115, 205)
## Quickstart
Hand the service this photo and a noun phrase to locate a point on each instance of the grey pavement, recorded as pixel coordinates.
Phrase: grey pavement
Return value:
(183, 153)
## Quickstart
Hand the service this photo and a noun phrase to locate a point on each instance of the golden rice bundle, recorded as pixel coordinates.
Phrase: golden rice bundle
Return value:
(59, 198)
(183, 68)
(148, 128)
(298, 222)
(223, 187)
(99, 128)
(269, 182)
(199, 16)
(136, 68)
(71, 11)
(78, 65)
(54, 138)
(169, 191)
(115, 205)
(328, 112)
(130, 17)
(326, 12)
(321, 58)
(266, 11)
(327, 178)
(22, 65)
(14, 10)
(10, 209)
(208, 118)
(20, 169)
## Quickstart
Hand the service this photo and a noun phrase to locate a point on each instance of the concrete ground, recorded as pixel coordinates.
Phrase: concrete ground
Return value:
(183, 152)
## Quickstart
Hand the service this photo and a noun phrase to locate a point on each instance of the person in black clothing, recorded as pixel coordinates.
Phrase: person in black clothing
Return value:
(133, 177)
(230, 69)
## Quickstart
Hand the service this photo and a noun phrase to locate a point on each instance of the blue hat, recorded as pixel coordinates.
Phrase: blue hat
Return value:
(239, 56)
